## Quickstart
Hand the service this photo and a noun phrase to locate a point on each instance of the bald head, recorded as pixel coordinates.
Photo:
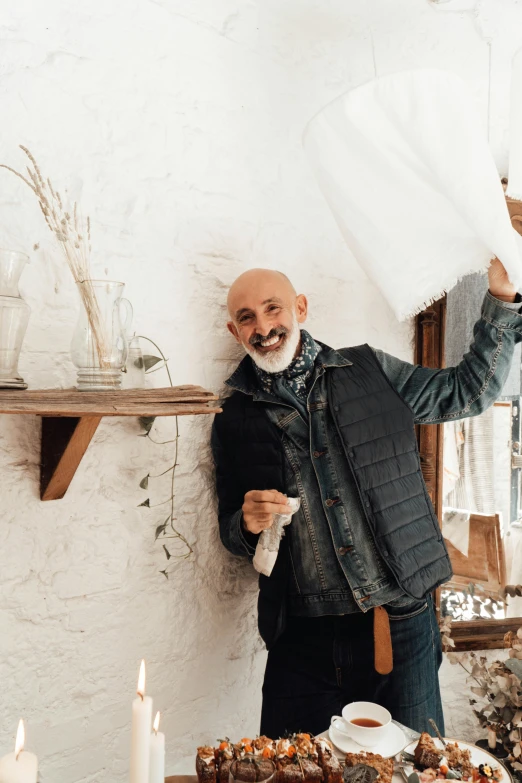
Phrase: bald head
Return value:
(261, 281)
(265, 314)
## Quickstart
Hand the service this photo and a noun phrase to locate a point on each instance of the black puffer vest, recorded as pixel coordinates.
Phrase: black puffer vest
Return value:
(376, 428)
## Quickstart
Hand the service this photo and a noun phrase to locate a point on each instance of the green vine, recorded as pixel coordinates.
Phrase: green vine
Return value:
(166, 530)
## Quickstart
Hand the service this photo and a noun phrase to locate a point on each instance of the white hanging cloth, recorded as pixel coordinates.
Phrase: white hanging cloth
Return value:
(406, 169)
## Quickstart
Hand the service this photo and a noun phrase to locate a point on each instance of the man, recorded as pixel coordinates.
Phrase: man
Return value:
(347, 613)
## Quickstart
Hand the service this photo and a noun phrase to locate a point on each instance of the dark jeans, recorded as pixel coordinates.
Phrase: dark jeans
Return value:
(320, 664)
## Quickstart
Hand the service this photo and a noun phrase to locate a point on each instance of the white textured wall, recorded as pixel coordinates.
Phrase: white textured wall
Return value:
(177, 124)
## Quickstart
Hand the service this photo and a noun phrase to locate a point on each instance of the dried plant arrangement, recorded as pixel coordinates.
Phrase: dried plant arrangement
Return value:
(73, 236)
(497, 691)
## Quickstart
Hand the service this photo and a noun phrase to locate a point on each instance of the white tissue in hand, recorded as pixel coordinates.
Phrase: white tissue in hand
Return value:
(270, 539)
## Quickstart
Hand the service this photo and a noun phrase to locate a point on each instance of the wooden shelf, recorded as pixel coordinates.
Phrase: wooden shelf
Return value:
(70, 418)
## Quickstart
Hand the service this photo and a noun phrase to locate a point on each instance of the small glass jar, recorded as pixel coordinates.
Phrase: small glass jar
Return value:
(134, 377)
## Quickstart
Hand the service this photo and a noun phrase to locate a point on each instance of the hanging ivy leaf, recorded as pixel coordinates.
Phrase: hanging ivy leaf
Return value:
(149, 361)
(160, 530)
(165, 574)
(167, 552)
(145, 503)
(144, 483)
(146, 423)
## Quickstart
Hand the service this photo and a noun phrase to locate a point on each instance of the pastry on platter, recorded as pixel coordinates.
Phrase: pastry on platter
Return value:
(459, 758)
(206, 767)
(264, 751)
(299, 758)
(296, 760)
(452, 762)
(426, 754)
(328, 761)
(225, 755)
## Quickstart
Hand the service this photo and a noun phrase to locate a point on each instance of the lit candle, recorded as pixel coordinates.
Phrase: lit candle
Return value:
(140, 739)
(514, 188)
(157, 754)
(20, 766)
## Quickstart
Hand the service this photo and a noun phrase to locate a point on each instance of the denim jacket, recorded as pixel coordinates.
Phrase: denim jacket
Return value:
(323, 581)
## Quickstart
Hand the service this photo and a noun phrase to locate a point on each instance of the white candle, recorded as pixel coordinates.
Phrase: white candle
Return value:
(140, 740)
(514, 188)
(20, 766)
(492, 738)
(157, 754)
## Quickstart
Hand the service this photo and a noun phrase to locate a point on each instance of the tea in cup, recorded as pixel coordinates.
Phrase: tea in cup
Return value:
(363, 721)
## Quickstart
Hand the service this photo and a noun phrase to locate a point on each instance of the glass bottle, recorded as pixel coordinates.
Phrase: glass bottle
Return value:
(14, 317)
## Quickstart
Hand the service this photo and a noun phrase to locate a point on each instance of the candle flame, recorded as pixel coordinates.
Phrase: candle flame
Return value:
(156, 723)
(20, 739)
(141, 681)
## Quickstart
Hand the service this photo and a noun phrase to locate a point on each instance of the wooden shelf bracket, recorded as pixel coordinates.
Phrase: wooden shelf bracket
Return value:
(64, 442)
(70, 419)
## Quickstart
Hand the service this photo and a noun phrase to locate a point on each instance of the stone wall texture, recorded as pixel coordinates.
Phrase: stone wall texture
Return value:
(177, 125)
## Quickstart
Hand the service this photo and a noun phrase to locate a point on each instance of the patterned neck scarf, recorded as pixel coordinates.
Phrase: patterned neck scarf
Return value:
(298, 373)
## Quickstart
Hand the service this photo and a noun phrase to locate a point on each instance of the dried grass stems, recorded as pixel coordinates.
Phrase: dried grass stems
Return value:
(74, 238)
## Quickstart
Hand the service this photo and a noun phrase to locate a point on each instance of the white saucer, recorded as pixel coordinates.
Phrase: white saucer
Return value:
(394, 741)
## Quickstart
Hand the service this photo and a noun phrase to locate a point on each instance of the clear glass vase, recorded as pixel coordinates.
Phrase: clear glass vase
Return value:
(134, 377)
(99, 344)
(14, 317)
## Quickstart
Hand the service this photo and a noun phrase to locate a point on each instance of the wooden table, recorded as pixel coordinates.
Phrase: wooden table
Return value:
(182, 779)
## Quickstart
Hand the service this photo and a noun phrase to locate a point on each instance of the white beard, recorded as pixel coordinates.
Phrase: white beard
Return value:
(277, 361)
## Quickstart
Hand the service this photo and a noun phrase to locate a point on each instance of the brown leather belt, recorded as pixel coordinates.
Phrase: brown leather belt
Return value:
(382, 644)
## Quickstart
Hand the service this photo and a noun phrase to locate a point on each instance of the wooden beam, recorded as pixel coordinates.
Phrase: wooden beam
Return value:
(483, 634)
(64, 442)
(175, 401)
(108, 409)
(164, 394)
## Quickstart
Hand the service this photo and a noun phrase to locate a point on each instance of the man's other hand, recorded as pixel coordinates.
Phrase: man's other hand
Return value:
(499, 284)
(260, 506)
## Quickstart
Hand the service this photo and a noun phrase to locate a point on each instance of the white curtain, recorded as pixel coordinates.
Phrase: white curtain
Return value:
(407, 172)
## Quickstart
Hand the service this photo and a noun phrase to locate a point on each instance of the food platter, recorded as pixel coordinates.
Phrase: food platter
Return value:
(303, 758)
(479, 757)
(392, 744)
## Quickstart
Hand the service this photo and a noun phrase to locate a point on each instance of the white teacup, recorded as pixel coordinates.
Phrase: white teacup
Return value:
(367, 736)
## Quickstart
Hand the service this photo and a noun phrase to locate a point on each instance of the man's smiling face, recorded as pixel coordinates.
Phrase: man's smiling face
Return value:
(265, 315)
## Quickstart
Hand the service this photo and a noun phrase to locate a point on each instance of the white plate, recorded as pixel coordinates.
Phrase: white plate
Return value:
(392, 744)
(478, 756)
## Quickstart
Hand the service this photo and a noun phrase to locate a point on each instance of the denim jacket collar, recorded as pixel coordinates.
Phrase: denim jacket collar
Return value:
(244, 378)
